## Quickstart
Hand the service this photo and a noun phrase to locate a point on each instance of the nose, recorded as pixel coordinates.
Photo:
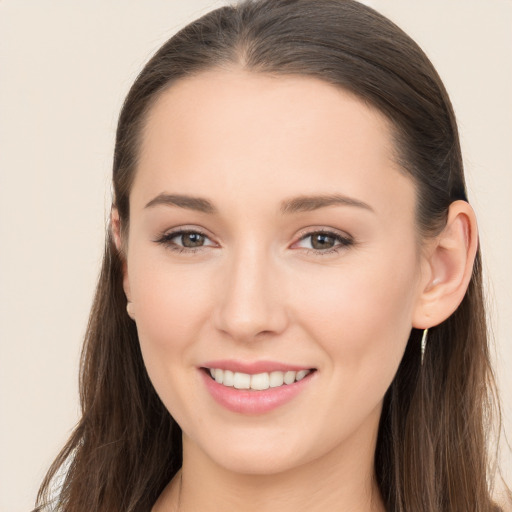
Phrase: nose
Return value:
(250, 302)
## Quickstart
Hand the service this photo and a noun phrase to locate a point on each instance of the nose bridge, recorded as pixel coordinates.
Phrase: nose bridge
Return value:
(250, 302)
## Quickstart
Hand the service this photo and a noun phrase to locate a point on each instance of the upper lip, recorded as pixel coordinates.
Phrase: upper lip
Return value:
(254, 367)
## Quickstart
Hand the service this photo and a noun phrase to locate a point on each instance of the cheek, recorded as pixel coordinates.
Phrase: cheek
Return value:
(361, 319)
(362, 315)
(171, 304)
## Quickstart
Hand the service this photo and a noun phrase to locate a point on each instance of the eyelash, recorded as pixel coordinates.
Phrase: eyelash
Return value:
(344, 241)
(166, 238)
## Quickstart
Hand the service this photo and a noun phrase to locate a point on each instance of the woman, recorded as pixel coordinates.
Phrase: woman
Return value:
(289, 314)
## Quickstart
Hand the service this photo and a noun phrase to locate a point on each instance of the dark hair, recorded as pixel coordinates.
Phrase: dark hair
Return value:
(431, 451)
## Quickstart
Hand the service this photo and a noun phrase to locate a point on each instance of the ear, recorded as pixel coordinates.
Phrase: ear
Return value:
(448, 267)
(115, 226)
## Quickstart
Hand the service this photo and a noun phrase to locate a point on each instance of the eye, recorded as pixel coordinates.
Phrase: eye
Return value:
(185, 240)
(324, 242)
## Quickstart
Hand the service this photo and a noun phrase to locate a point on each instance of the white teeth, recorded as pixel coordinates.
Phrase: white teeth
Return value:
(276, 379)
(257, 382)
(241, 380)
(289, 377)
(260, 381)
(301, 374)
(229, 378)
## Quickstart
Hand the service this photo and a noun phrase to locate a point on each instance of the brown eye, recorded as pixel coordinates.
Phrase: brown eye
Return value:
(321, 241)
(185, 241)
(324, 242)
(192, 239)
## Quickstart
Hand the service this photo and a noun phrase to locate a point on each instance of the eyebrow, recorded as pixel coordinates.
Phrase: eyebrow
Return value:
(288, 206)
(310, 203)
(182, 201)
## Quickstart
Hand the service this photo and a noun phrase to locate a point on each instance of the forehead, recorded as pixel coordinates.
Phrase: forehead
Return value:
(246, 133)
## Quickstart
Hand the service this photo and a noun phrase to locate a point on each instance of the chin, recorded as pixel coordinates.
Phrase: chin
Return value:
(262, 464)
(250, 454)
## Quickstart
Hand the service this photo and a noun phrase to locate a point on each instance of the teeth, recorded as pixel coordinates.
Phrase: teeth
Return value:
(241, 380)
(301, 374)
(260, 381)
(289, 377)
(257, 382)
(229, 378)
(276, 379)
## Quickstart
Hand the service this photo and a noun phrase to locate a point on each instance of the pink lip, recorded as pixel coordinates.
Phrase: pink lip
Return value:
(253, 367)
(250, 401)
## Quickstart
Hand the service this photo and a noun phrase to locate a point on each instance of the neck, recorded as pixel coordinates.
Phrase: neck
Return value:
(343, 480)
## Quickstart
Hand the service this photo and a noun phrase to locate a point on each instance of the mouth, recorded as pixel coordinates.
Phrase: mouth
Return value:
(256, 382)
(256, 387)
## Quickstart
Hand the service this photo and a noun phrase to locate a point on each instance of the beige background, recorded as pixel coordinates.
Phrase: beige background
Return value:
(65, 67)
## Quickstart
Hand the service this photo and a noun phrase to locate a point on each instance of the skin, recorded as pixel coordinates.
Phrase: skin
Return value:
(258, 291)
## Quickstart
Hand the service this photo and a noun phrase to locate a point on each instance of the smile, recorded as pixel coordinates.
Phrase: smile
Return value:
(259, 381)
(248, 389)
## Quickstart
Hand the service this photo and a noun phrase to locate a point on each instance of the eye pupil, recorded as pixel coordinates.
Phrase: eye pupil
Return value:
(322, 241)
(192, 239)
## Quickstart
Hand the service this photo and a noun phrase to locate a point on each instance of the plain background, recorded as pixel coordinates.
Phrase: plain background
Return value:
(65, 68)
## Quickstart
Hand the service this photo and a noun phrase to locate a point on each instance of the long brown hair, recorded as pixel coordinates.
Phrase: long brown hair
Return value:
(432, 445)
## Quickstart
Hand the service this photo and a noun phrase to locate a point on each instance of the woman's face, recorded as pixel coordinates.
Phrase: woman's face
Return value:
(271, 232)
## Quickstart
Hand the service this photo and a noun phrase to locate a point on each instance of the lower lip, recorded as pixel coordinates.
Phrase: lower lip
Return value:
(254, 402)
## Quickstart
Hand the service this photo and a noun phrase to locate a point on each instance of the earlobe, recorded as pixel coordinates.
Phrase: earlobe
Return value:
(450, 265)
(129, 310)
